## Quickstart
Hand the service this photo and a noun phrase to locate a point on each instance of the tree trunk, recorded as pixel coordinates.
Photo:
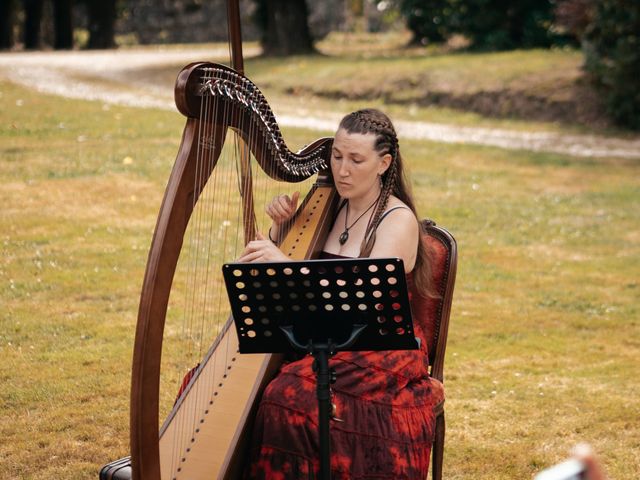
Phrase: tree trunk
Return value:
(102, 19)
(32, 21)
(6, 24)
(286, 28)
(62, 20)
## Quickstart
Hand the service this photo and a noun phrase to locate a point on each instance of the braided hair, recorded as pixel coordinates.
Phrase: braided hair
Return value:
(393, 182)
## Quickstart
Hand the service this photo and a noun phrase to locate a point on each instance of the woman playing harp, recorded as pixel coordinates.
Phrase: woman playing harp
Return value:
(183, 318)
(383, 420)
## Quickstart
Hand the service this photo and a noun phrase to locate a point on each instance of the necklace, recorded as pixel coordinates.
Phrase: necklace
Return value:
(344, 236)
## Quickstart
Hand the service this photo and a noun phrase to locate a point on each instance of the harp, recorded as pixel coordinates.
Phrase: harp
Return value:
(231, 149)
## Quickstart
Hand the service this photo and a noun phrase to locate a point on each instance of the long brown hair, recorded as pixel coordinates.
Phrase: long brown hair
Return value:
(394, 182)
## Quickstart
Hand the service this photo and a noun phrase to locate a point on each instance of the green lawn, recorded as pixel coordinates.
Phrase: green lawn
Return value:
(544, 339)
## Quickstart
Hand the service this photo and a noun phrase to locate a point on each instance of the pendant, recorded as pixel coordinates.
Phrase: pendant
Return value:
(344, 236)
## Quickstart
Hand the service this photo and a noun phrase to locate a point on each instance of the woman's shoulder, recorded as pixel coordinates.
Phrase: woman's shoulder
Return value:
(398, 211)
(397, 233)
(398, 219)
(395, 202)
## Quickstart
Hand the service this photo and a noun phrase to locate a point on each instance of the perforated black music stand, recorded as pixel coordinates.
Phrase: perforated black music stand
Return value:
(321, 307)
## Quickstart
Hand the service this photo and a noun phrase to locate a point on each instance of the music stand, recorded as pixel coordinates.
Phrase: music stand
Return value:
(321, 307)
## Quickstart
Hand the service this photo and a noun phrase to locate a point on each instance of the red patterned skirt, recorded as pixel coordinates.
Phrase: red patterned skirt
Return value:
(385, 401)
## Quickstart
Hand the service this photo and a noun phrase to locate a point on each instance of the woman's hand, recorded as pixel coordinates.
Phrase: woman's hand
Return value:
(262, 250)
(282, 208)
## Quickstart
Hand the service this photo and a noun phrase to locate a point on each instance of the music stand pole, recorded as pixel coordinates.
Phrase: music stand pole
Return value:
(324, 378)
(323, 393)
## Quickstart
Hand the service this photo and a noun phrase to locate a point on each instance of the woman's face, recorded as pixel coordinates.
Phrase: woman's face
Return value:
(356, 166)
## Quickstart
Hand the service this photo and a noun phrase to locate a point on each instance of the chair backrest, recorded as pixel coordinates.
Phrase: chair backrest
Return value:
(444, 252)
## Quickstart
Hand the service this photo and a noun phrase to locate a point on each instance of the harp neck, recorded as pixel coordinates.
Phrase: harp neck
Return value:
(235, 35)
(230, 100)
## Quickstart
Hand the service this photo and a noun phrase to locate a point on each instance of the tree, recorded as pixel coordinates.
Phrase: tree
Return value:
(573, 17)
(612, 49)
(32, 21)
(102, 19)
(6, 23)
(62, 19)
(285, 27)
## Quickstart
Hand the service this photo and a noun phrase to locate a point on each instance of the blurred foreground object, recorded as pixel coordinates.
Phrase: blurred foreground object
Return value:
(583, 466)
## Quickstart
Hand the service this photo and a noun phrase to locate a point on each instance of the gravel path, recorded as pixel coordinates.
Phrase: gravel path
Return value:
(106, 76)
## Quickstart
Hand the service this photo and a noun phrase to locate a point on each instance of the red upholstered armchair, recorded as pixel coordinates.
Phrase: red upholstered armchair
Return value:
(445, 261)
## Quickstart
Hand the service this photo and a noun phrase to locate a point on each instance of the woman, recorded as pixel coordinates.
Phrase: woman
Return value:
(383, 417)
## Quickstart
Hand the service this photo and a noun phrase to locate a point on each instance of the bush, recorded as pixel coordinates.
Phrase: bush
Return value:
(429, 20)
(489, 24)
(612, 54)
(504, 24)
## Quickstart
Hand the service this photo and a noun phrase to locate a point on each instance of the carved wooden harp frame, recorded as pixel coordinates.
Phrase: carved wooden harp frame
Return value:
(241, 107)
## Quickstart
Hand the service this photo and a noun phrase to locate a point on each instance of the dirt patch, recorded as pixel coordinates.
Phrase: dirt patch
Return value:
(583, 108)
(578, 103)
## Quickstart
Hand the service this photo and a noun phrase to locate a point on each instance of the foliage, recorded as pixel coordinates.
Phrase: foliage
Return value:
(490, 24)
(612, 51)
(609, 31)
(430, 20)
(504, 24)
(572, 17)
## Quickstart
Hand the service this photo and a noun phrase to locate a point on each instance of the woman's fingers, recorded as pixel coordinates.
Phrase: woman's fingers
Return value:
(250, 251)
(282, 207)
(250, 257)
(294, 200)
(262, 250)
(274, 211)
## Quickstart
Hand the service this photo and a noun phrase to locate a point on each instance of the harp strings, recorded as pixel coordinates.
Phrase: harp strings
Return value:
(193, 239)
(209, 242)
(222, 213)
(208, 316)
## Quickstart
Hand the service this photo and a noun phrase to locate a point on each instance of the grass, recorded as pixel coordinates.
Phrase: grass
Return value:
(543, 345)
(72, 256)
